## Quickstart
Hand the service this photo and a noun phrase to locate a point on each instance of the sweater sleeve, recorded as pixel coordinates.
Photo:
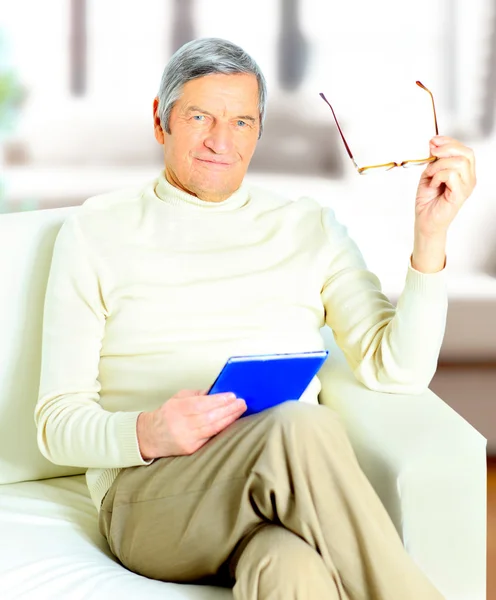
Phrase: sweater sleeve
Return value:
(389, 349)
(73, 428)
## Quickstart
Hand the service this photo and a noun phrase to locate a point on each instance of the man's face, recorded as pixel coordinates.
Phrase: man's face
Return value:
(214, 130)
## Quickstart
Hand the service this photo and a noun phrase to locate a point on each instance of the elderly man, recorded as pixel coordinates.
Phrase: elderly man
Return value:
(152, 289)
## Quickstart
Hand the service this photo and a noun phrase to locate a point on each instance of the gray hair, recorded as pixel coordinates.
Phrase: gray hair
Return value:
(205, 56)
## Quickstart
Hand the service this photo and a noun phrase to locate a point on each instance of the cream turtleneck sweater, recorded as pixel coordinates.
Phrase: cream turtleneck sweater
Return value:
(151, 290)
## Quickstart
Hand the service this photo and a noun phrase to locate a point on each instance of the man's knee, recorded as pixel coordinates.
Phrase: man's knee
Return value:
(302, 418)
(309, 429)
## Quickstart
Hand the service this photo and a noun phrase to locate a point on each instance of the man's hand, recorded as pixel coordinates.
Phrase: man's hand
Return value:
(186, 422)
(444, 186)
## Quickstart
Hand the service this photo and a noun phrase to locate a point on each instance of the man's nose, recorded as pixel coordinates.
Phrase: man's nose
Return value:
(220, 138)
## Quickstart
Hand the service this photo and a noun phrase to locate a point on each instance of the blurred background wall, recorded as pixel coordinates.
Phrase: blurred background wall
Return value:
(97, 64)
(78, 77)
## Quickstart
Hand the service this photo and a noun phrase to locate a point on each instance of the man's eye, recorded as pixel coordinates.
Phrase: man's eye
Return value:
(241, 123)
(198, 117)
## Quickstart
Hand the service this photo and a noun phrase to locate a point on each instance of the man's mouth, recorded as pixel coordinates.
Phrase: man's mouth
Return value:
(215, 163)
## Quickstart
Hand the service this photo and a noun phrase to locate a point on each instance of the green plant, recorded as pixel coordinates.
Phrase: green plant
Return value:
(11, 96)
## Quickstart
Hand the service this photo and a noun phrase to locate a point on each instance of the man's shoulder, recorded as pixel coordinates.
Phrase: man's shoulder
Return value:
(103, 213)
(114, 200)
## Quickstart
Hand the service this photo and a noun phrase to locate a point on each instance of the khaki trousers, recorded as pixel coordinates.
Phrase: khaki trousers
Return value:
(275, 505)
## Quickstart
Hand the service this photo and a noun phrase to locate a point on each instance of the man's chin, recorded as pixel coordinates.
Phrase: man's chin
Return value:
(215, 190)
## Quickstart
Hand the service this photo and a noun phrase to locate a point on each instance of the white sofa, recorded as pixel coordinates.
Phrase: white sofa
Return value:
(426, 462)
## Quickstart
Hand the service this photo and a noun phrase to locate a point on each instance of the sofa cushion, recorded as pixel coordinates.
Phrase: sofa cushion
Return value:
(26, 244)
(52, 549)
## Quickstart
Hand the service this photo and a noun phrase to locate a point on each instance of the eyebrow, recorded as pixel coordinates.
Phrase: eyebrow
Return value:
(202, 110)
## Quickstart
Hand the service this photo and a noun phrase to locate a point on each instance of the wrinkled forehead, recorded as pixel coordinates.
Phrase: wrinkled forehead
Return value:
(221, 95)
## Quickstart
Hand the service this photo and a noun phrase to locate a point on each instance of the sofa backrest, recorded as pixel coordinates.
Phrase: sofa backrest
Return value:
(26, 245)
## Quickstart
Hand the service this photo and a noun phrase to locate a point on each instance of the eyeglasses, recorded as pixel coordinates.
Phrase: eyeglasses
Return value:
(390, 165)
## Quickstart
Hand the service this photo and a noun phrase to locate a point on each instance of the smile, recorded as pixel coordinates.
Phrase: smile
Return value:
(214, 164)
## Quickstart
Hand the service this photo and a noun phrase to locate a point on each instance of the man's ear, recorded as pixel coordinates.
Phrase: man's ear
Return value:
(157, 127)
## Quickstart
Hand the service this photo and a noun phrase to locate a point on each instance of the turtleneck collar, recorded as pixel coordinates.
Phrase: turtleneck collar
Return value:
(174, 196)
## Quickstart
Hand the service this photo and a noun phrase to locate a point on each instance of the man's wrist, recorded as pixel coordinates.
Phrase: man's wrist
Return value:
(429, 253)
(144, 431)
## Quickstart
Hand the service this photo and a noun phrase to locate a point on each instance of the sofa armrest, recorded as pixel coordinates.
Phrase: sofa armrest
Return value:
(427, 465)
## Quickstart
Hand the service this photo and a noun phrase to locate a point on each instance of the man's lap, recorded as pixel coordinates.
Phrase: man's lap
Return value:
(193, 510)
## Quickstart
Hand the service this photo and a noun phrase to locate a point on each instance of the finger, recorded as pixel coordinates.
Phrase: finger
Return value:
(443, 139)
(450, 147)
(199, 404)
(215, 421)
(188, 393)
(209, 432)
(453, 163)
(464, 157)
(213, 430)
(221, 424)
(451, 180)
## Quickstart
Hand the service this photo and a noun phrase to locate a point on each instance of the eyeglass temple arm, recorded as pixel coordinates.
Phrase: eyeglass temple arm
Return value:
(433, 105)
(339, 128)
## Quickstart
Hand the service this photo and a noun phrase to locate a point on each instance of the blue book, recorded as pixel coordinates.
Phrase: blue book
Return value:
(266, 380)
